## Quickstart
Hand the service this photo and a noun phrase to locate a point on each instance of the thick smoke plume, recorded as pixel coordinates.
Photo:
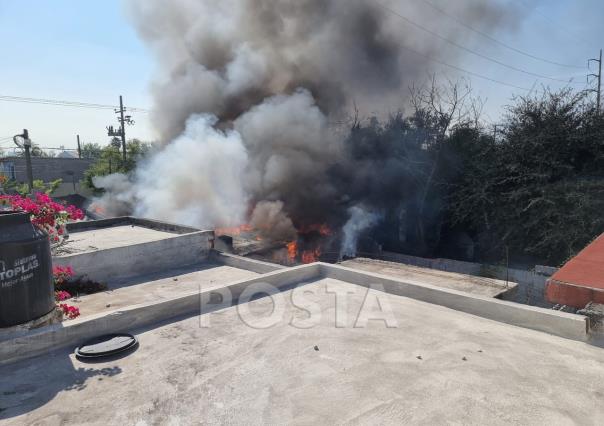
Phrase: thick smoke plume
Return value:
(359, 221)
(249, 94)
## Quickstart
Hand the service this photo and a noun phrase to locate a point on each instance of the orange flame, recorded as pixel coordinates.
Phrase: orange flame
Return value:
(98, 209)
(310, 256)
(307, 256)
(321, 228)
(236, 230)
(292, 251)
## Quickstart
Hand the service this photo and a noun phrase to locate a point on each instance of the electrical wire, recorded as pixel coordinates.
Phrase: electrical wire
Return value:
(455, 67)
(466, 49)
(556, 25)
(74, 104)
(496, 41)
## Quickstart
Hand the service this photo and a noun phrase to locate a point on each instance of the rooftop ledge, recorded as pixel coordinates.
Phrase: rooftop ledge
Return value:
(487, 360)
(147, 314)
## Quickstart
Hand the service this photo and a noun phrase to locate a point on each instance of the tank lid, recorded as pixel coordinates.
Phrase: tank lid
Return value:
(107, 345)
(13, 217)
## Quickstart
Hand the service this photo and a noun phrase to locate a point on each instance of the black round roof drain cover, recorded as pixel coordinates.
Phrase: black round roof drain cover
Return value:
(107, 345)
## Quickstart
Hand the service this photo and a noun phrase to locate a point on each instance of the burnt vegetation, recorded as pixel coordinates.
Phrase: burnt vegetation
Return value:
(530, 191)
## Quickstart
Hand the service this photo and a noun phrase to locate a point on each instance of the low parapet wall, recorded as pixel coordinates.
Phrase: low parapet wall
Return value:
(187, 246)
(240, 262)
(36, 342)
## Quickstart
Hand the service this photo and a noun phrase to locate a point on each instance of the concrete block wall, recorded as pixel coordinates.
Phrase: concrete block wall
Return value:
(531, 284)
(139, 259)
(188, 246)
(562, 324)
(48, 169)
(36, 342)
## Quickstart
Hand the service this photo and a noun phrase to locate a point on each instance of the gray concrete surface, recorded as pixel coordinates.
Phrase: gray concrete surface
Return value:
(36, 342)
(240, 262)
(159, 286)
(438, 366)
(531, 283)
(116, 236)
(481, 286)
(563, 324)
(124, 249)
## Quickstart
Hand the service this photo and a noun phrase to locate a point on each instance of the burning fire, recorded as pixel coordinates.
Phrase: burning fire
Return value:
(295, 253)
(307, 255)
(320, 228)
(237, 230)
(292, 251)
(310, 256)
(99, 210)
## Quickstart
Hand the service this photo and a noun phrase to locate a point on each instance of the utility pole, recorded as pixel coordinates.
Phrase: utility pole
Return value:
(26, 146)
(599, 77)
(123, 128)
(79, 147)
(497, 130)
(121, 131)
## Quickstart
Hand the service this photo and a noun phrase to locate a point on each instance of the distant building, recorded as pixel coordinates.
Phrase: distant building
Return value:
(67, 154)
(70, 170)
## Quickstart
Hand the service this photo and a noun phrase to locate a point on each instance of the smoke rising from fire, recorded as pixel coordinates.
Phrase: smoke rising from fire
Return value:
(247, 94)
(360, 220)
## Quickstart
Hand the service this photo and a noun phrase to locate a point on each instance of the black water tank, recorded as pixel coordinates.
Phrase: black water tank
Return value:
(26, 289)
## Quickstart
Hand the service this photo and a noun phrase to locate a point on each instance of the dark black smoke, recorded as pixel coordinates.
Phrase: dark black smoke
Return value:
(259, 86)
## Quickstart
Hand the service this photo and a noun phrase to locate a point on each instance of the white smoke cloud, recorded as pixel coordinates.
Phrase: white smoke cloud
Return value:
(118, 197)
(197, 179)
(359, 221)
(274, 73)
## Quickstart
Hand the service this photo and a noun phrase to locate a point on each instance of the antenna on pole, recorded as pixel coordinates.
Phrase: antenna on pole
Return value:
(121, 131)
(598, 76)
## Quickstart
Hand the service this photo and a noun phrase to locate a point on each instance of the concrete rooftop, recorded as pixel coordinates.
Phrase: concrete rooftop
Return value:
(437, 366)
(112, 237)
(159, 286)
(481, 286)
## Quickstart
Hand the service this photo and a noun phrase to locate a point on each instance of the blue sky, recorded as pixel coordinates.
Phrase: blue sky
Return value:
(82, 50)
(87, 51)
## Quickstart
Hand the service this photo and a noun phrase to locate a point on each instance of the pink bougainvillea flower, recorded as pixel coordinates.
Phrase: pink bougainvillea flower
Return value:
(46, 214)
(69, 311)
(62, 295)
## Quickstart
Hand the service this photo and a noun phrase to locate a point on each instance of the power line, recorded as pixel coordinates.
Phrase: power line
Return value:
(459, 46)
(496, 41)
(56, 102)
(455, 67)
(556, 25)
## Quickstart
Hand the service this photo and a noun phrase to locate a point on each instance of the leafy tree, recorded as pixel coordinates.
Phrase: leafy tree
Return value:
(39, 186)
(91, 151)
(538, 190)
(111, 160)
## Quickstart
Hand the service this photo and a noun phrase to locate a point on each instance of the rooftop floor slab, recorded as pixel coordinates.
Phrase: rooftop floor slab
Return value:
(482, 286)
(115, 236)
(37, 342)
(115, 232)
(436, 365)
(116, 248)
(159, 286)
